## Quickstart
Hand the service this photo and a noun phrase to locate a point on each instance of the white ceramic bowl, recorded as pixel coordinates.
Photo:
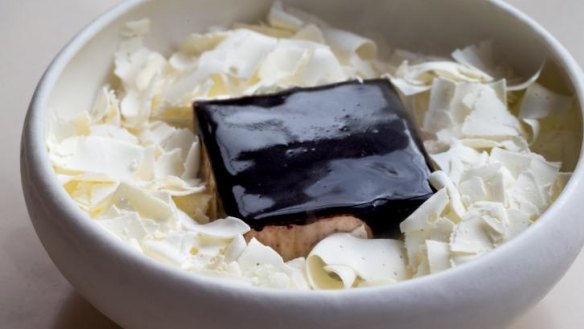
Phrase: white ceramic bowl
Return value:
(138, 292)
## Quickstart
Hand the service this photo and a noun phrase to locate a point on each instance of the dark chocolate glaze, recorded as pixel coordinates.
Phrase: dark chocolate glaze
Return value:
(295, 156)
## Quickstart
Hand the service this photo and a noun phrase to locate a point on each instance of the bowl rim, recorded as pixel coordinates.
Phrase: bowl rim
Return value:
(34, 153)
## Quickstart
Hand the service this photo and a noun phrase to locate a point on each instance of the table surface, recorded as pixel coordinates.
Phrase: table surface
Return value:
(33, 294)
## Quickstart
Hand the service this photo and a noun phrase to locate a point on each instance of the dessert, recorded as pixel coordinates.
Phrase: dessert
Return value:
(501, 150)
(347, 154)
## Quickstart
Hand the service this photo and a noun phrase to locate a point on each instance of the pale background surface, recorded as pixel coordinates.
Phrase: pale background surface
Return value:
(33, 294)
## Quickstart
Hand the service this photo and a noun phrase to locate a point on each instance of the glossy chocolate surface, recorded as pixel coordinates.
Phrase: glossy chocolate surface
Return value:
(295, 156)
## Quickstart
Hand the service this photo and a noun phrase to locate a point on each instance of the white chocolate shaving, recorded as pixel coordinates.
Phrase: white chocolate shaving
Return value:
(414, 79)
(349, 258)
(481, 56)
(115, 158)
(438, 256)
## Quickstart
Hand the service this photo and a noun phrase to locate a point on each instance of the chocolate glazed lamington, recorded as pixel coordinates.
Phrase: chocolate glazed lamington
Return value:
(307, 162)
